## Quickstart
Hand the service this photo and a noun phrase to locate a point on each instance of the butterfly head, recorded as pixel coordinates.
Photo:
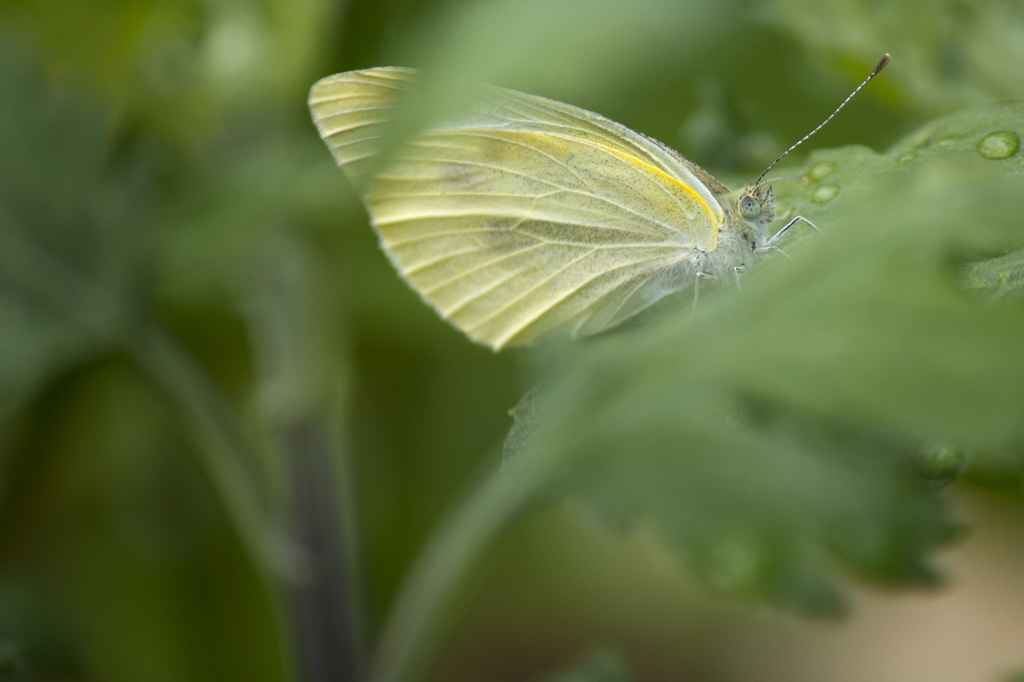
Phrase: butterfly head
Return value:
(749, 211)
(757, 205)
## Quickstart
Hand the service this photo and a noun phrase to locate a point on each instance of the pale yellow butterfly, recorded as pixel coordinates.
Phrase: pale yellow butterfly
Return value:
(520, 217)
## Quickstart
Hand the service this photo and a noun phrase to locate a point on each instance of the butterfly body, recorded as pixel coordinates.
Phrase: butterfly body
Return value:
(520, 218)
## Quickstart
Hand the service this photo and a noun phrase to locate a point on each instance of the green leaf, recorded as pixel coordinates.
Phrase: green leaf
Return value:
(63, 230)
(791, 426)
(954, 55)
(73, 247)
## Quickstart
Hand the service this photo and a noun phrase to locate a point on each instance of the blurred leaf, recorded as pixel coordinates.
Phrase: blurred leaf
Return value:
(33, 345)
(74, 244)
(778, 428)
(66, 230)
(956, 55)
(186, 68)
(573, 44)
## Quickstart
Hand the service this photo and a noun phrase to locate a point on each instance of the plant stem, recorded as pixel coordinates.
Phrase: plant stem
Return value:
(413, 626)
(321, 601)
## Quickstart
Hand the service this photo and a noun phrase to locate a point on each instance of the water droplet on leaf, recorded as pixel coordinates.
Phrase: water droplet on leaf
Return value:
(821, 170)
(999, 145)
(825, 193)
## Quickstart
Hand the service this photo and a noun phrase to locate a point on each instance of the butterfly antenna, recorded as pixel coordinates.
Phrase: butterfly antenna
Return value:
(879, 67)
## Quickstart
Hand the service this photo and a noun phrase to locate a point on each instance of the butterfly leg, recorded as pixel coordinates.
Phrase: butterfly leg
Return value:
(781, 233)
(736, 273)
(696, 285)
(772, 249)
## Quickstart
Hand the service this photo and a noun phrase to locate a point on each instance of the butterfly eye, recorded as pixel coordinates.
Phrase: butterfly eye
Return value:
(750, 208)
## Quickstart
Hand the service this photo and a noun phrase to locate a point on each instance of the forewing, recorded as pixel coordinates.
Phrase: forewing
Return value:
(519, 215)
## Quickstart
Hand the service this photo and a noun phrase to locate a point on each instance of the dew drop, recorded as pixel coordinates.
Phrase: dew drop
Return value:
(948, 141)
(825, 193)
(940, 464)
(999, 145)
(906, 157)
(820, 171)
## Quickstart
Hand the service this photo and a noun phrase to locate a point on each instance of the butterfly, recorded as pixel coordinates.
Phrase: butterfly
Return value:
(519, 218)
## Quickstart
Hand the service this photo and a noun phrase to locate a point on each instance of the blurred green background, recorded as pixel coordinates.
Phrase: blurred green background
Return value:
(189, 287)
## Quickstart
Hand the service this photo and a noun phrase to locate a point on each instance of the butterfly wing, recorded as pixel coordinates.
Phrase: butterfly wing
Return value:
(520, 217)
